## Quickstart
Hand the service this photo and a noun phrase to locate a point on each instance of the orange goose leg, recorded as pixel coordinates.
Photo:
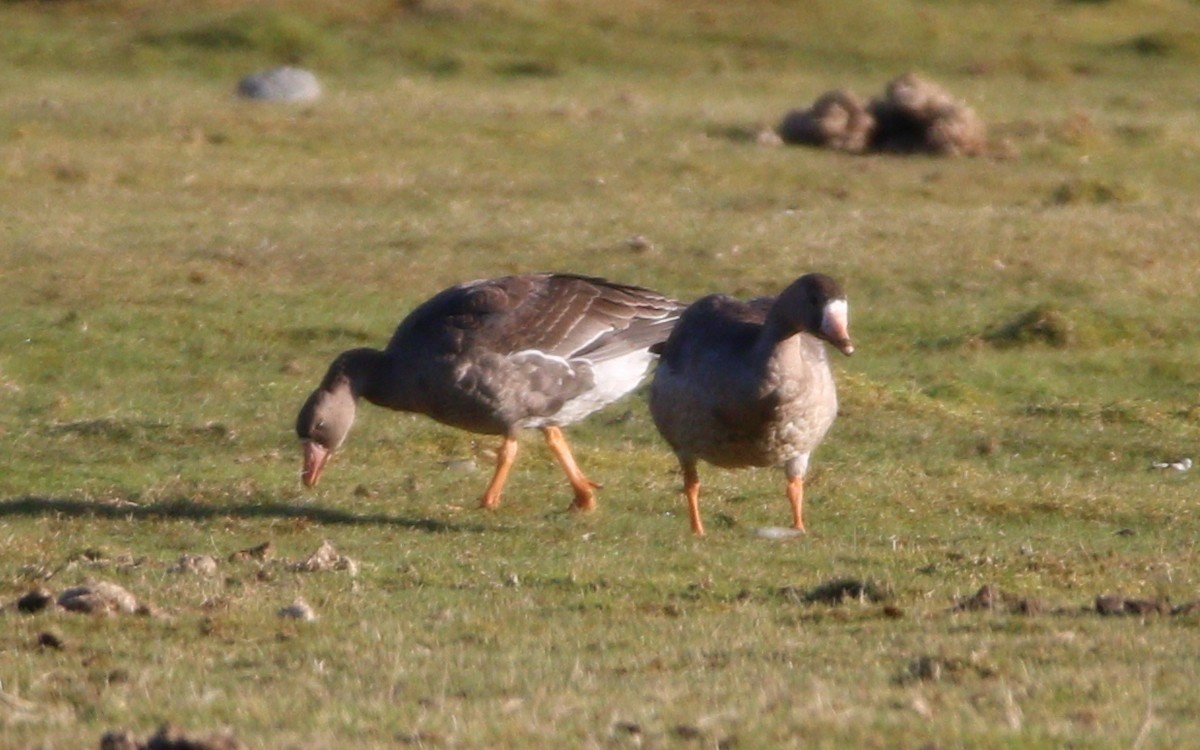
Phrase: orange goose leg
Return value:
(585, 495)
(504, 461)
(691, 488)
(795, 492)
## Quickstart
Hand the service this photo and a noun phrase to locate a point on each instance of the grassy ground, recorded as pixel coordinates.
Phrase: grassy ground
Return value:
(179, 267)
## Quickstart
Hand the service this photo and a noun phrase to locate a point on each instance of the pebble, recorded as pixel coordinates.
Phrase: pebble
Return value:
(298, 610)
(286, 84)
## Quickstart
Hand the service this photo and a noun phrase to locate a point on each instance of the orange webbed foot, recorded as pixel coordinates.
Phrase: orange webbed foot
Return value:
(585, 497)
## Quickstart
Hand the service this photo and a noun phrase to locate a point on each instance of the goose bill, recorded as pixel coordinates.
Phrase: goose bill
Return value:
(315, 458)
(835, 326)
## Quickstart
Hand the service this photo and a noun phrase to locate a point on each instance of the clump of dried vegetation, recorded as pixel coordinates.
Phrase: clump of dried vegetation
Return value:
(914, 116)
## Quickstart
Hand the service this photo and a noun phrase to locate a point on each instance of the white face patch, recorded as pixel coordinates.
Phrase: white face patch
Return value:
(835, 324)
(837, 316)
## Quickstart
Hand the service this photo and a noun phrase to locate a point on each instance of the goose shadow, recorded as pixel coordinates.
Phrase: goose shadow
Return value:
(184, 509)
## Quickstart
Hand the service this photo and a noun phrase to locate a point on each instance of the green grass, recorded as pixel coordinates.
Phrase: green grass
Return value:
(179, 268)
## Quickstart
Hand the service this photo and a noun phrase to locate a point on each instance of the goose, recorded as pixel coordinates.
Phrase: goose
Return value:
(748, 384)
(494, 357)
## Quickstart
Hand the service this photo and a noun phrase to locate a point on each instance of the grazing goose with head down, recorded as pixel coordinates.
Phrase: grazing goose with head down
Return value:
(748, 384)
(495, 356)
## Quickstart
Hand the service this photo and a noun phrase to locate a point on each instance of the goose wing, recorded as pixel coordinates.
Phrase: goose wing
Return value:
(559, 315)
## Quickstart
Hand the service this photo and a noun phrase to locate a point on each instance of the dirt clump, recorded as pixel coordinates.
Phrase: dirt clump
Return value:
(35, 601)
(99, 597)
(262, 552)
(914, 116)
(1109, 606)
(990, 598)
(325, 558)
(836, 591)
(169, 737)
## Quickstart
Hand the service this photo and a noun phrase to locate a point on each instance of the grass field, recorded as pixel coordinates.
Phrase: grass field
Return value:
(179, 267)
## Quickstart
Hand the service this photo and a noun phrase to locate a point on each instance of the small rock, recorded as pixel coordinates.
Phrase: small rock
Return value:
(286, 84)
(262, 552)
(204, 565)
(984, 598)
(325, 558)
(639, 244)
(991, 598)
(298, 610)
(98, 597)
(49, 640)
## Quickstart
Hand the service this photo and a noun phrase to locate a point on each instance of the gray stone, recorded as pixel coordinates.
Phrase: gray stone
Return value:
(285, 84)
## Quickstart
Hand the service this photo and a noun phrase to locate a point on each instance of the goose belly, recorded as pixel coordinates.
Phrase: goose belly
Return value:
(612, 379)
(788, 434)
(716, 423)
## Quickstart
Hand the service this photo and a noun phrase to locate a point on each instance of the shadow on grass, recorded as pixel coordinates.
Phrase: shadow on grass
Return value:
(185, 509)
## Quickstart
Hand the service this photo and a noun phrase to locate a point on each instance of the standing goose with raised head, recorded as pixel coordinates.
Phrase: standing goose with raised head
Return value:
(748, 383)
(496, 356)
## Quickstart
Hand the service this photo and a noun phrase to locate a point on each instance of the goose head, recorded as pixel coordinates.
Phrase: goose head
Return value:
(328, 414)
(816, 304)
(322, 426)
